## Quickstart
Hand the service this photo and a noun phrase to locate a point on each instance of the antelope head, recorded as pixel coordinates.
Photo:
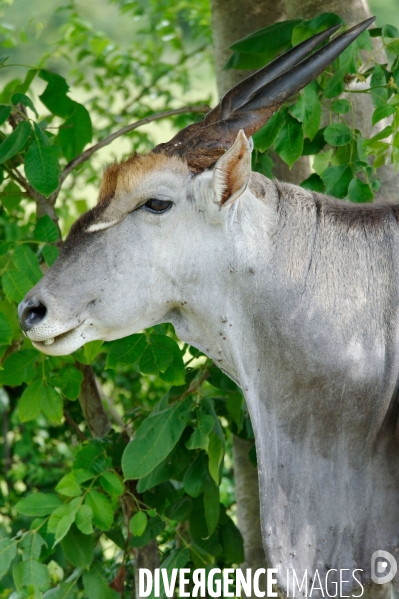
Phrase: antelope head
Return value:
(159, 239)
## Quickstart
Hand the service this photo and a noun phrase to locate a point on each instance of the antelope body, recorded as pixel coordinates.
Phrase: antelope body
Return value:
(293, 294)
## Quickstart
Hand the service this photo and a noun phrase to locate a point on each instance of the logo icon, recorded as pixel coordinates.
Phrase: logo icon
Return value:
(383, 567)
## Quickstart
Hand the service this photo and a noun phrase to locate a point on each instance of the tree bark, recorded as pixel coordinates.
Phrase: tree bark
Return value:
(248, 508)
(145, 557)
(91, 404)
(352, 12)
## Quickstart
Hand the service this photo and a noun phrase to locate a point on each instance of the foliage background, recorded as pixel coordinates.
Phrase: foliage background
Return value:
(78, 503)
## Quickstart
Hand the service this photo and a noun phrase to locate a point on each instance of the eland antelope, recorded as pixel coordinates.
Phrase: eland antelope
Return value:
(293, 294)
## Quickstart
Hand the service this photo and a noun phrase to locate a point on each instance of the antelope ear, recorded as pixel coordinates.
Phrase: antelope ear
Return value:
(232, 171)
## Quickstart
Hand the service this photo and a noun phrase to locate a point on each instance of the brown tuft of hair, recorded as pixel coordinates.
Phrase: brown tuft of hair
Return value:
(131, 171)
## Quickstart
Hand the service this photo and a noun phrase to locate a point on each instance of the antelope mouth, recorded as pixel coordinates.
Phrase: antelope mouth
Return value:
(63, 343)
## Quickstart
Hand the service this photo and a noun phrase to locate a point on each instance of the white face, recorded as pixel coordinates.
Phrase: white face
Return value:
(130, 262)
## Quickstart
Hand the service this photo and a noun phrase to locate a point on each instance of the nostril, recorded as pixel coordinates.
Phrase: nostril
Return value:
(32, 314)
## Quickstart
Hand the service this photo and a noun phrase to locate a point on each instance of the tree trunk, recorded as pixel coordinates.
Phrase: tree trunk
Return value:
(145, 557)
(232, 20)
(248, 508)
(351, 12)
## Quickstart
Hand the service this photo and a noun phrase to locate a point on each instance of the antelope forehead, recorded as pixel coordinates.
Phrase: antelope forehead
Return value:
(133, 189)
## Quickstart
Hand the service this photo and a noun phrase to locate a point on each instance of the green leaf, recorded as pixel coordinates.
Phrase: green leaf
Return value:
(269, 39)
(29, 403)
(92, 349)
(175, 374)
(179, 510)
(378, 85)
(340, 106)
(42, 168)
(200, 437)
(8, 550)
(31, 545)
(25, 101)
(26, 261)
(196, 476)
(11, 196)
(382, 112)
(68, 485)
(321, 161)
(41, 135)
(337, 179)
(155, 439)
(386, 132)
(83, 519)
(5, 112)
(307, 29)
(211, 505)
(169, 469)
(234, 407)
(15, 141)
(90, 457)
(19, 367)
(78, 548)
(265, 137)
(32, 573)
(5, 330)
(126, 351)
(314, 146)
(338, 134)
(38, 504)
(65, 524)
(308, 110)
(40, 396)
(215, 453)
(138, 523)
(359, 191)
(231, 539)
(289, 142)
(176, 559)
(65, 590)
(313, 183)
(390, 31)
(69, 380)
(159, 354)
(103, 513)
(96, 586)
(75, 132)
(154, 528)
(240, 60)
(15, 285)
(66, 513)
(262, 163)
(54, 96)
(111, 483)
(50, 254)
(24, 86)
(46, 230)
(336, 84)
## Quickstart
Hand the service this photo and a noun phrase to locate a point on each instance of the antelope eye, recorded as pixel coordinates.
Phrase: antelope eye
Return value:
(158, 206)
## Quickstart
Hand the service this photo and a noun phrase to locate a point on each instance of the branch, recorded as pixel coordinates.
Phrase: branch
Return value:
(75, 427)
(108, 401)
(92, 407)
(201, 108)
